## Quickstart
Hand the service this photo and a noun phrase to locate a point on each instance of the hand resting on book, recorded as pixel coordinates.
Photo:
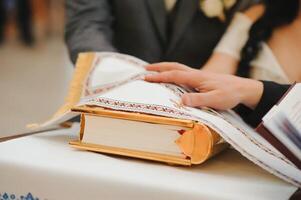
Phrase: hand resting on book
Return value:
(218, 91)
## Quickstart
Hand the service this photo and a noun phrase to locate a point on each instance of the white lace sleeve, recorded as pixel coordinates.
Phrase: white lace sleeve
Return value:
(235, 37)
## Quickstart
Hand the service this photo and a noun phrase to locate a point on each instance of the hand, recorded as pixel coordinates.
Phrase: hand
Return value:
(218, 91)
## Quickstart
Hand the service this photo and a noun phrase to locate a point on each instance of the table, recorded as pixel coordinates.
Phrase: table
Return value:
(44, 166)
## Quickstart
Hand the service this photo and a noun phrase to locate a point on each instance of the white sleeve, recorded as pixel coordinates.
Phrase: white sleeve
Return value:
(235, 37)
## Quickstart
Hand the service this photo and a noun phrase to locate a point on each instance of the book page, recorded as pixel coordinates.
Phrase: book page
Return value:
(135, 95)
(285, 131)
(291, 105)
(157, 138)
(284, 120)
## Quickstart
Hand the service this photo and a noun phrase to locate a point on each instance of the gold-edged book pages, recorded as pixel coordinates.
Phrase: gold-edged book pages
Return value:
(198, 143)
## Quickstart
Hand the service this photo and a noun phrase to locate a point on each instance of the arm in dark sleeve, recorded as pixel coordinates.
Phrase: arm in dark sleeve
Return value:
(272, 93)
(88, 26)
(243, 5)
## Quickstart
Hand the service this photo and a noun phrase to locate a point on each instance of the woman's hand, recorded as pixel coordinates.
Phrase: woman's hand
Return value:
(217, 91)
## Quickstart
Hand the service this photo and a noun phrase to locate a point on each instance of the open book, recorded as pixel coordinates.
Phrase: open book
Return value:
(281, 126)
(107, 83)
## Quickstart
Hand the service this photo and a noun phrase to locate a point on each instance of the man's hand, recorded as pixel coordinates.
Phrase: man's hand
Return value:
(217, 91)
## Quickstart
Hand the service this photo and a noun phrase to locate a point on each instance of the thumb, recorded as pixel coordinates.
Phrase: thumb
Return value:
(195, 99)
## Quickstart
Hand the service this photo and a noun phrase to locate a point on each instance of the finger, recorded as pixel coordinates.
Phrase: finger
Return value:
(207, 84)
(166, 66)
(196, 99)
(177, 77)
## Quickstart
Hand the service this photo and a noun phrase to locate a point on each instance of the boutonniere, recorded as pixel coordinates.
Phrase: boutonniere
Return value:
(216, 8)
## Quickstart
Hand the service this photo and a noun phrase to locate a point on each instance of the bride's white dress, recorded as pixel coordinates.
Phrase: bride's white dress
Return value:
(265, 66)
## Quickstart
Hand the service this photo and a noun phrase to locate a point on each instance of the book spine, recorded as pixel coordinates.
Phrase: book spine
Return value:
(199, 143)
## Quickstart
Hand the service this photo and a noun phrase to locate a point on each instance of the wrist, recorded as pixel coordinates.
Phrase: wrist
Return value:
(251, 92)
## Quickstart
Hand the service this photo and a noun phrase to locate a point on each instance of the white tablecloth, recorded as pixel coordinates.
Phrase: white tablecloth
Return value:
(47, 168)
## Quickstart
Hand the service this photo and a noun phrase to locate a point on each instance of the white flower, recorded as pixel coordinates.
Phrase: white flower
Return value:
(216, 8)
(212, 8)
(229, 3)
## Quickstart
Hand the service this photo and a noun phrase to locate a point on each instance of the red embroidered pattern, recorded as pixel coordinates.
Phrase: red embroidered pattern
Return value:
(145, 108)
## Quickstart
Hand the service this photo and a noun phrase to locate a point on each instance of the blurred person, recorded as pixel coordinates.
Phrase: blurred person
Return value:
(48, 18)
(2, 20)
(23, 16)
(152, 30)
(24, 20)
(221, 91)
(263, 43)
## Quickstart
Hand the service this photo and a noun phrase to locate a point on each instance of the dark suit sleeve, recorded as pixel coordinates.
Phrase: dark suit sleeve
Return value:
(272, 93)
(243, 5)
(88, 26)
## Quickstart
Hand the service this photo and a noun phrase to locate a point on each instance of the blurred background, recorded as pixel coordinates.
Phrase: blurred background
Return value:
(34, 66)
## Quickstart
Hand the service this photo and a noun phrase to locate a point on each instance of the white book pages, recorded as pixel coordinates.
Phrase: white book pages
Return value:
(156, 138)
(285, 130)
(290, 106)
(284, 120)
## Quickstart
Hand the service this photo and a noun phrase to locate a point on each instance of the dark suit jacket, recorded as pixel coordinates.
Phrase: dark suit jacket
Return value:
(138, 28)
(272, 93)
